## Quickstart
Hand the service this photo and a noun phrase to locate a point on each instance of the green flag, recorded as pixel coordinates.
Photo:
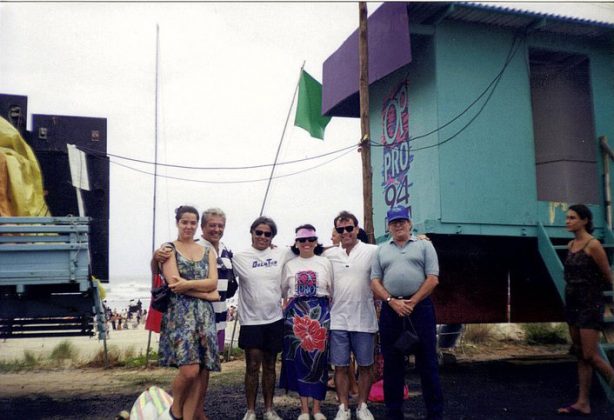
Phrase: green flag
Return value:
(309, 107)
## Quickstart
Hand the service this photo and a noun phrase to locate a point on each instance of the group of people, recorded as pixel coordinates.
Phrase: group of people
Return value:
(313, 305)
(316, 306)
(127, 318)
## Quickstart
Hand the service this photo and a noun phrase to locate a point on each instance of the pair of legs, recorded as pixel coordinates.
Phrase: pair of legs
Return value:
(362, 344)
(352, 377)
(255, 359)
(189, 390)
(305, 405)
(423, 324)
(342, 383)
(586, 346)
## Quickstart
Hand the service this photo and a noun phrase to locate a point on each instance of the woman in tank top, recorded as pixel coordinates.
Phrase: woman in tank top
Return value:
(587, 276)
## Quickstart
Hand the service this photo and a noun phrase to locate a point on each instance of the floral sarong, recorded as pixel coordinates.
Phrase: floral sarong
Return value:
(305, 355)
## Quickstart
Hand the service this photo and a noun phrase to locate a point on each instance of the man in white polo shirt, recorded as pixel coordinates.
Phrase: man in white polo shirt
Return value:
(260, 314)
(353, 320)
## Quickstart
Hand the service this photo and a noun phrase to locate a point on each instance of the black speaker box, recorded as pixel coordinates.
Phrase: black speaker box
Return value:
(49, 137)
(14, 109)
(54, 132)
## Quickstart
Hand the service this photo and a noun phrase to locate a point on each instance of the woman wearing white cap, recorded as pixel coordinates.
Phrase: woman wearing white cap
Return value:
(307, 286)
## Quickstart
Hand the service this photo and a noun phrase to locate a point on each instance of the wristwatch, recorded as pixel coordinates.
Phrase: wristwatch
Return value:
(389, 298)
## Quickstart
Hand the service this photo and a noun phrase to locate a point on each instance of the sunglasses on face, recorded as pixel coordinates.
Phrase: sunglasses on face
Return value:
(263, 233)
(348, 229)
(310, 239)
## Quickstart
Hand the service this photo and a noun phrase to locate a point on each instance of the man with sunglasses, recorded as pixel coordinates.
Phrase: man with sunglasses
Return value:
(260, 314)
(353, 319)
(404, 274)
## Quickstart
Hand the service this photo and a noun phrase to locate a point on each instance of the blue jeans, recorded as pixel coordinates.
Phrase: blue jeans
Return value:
(390, 327)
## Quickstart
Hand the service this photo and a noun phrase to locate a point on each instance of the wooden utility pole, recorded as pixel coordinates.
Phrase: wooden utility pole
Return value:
(365, 137)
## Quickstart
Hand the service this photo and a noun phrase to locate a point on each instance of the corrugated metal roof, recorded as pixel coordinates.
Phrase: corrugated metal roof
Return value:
(508, 17)
(555, 16)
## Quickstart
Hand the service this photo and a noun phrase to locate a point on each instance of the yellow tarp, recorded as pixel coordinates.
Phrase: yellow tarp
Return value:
(21, 183)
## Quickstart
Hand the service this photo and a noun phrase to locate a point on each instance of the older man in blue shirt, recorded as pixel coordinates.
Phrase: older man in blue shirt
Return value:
(404, 274)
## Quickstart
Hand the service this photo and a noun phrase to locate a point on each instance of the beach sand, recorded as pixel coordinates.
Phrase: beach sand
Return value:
(130, 339)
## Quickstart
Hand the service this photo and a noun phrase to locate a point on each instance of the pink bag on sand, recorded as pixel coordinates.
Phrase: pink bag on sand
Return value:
(377, 392)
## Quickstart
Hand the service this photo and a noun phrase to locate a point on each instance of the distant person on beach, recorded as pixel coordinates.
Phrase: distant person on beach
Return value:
(353, 320)
(307, 287)
(404, 274)
(260, 313)
(213, 223)
(188, 338)
(587, 276)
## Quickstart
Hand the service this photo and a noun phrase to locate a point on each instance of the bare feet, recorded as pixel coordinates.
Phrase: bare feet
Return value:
(574, 410)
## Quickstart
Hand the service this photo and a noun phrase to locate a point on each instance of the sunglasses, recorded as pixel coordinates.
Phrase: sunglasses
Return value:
(263, 233)
(310, 239)
(348, 229)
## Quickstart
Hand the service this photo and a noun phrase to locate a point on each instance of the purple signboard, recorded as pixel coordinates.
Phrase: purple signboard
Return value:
(389, 49)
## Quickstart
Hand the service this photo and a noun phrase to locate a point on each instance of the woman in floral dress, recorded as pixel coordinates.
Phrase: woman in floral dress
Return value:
(306, 283)
(188, 338)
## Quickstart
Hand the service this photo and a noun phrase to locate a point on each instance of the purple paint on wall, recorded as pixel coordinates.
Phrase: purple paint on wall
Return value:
(389, 49)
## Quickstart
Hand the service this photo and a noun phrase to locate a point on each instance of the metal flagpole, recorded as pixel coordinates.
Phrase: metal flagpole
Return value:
(153, 225)
(281, 140)
(234, 327)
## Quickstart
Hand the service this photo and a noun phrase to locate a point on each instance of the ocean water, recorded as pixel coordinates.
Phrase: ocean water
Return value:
(123, 291)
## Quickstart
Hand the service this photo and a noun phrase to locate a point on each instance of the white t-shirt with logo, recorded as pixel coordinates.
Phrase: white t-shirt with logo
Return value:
(259, 274)
(307, 277)
(353, 308)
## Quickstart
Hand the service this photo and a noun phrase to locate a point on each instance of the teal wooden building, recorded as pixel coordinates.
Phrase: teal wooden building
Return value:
(486, 124)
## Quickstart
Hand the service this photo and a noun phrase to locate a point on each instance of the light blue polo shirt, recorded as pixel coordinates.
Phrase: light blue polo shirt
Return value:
(404, 269)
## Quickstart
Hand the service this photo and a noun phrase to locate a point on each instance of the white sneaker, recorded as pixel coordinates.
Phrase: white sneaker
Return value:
(304, 416)
(249, 415)
(363, 413)
(319, 416)
(343, 414)
(270, 415)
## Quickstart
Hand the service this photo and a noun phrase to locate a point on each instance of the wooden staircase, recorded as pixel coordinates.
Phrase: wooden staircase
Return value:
(553, 256)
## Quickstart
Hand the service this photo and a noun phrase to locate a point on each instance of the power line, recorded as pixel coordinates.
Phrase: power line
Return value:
(493, 84)
(345, 150)
(217, 168)
(510, 54)
(248, 181)
(473, 118)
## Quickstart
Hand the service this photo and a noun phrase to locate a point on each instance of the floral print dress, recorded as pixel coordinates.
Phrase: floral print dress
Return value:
(188, 334)
(307, 321)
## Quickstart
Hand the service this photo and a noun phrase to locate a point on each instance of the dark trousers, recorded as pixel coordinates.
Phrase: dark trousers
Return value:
(390, 327)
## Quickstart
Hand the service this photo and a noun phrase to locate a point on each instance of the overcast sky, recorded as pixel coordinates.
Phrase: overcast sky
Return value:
(227, 76)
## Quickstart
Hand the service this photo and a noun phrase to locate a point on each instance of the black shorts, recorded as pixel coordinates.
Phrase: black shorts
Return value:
(267, 337)
(583, 310)
(585, 318)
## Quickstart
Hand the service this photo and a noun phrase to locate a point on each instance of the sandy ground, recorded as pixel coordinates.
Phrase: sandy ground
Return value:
(520, 387)
(131, 339)
(501, 380)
